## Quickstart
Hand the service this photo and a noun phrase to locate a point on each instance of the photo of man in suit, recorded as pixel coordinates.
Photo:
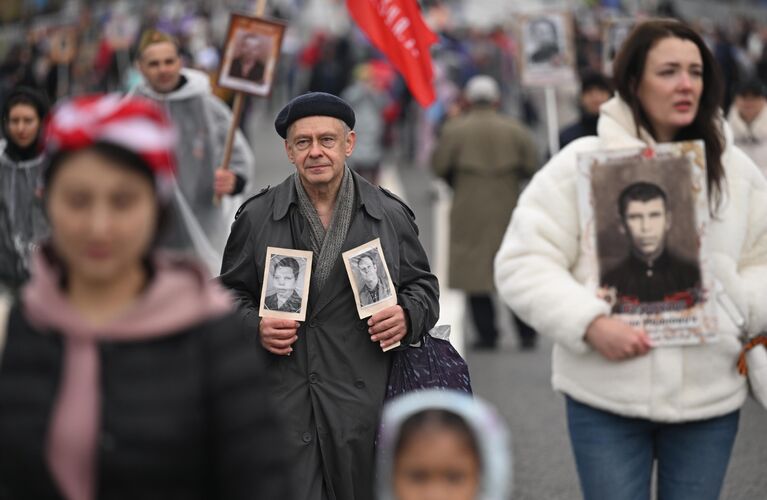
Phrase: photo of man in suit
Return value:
(250, 62)
(651, 272)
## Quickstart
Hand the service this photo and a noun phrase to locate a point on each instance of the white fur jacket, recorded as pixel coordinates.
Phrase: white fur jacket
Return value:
(539, 272)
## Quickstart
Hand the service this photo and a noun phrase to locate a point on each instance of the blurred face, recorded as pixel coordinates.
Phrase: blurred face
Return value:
(23, 125)
(318, 147)
(544, 33)
(368, 270)
(749, 106)
(284, 280)
(161, 66)
(593, 98)
(437, 464)
(103, 217)
(252, 48)
(646, 224)
(671, 86)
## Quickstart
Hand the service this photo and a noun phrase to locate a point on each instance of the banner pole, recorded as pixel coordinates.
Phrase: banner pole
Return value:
(237, 107)
(552, 119)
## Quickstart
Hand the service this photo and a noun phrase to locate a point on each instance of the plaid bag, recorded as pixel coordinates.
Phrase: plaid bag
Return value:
(432, 363)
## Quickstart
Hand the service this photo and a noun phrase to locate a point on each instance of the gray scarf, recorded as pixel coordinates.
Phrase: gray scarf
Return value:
(326, 245)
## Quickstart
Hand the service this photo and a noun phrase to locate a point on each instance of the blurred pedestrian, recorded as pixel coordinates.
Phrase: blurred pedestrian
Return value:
(368, 102)
(748, 119)
(443, 445)
(202, 121)
(126, 372)
(484, 156)
(631, 406)
(329, 374)
(21, 164)
(595, 91)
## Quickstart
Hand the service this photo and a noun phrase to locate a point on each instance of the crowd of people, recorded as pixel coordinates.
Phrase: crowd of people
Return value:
(125, 370)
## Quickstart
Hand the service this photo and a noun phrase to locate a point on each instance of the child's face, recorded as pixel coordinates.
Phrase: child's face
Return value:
(284, 279)
(437, 464)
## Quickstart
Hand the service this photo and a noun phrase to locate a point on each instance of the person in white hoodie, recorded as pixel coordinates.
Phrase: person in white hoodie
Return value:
(202, 120)
(748, 119)
(630, 404)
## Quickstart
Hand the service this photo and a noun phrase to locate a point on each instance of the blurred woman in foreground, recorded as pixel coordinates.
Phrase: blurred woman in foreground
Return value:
(125, 373)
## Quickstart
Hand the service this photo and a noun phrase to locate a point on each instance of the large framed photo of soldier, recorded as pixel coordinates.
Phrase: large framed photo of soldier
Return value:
(644, 216)
(547, 49)
(285, 288)
(370, 279)
(251, 53)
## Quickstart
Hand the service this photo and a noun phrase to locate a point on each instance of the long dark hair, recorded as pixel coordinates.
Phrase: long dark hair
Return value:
(628, 69)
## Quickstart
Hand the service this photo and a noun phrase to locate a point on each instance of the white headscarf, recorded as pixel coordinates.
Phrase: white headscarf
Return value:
(490, 433)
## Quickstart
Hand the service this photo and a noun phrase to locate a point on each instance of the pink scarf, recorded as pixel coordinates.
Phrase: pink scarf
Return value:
(179, 296)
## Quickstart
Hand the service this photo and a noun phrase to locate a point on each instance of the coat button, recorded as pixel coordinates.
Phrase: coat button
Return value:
(362, 325)
(313, 323)
(306, 437)
(359, 384)
(313, 378)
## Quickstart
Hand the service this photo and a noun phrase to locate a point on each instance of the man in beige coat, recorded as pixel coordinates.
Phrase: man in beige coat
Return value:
(484, 156)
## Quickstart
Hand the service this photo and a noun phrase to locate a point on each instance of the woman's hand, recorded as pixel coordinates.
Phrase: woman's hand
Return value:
(616, 340)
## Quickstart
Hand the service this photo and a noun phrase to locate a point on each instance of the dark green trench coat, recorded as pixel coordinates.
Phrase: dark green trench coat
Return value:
(332, 387)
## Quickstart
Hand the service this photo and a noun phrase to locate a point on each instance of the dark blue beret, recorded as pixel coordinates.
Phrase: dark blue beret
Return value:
(313, 104)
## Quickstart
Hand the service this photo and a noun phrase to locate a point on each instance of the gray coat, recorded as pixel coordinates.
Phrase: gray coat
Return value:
(22, 219)
(332, 386)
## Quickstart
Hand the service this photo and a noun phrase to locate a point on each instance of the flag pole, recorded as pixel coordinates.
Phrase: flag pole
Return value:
(237, 107)
(552, 119)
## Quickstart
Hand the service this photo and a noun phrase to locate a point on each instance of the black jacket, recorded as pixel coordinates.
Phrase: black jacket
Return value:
(332, 386)
(184, 417)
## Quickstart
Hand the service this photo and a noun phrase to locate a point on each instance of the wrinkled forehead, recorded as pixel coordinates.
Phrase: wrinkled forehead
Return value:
(316, 125)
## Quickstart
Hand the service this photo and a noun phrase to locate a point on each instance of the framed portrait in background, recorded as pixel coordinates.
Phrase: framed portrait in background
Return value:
(251, 54)
(285, 290)
(644, 213)
(547, 54)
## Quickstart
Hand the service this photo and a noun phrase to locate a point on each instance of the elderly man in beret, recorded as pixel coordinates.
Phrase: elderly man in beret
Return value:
(329, 373)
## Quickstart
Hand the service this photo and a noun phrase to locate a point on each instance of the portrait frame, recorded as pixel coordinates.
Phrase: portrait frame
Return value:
(544, 64)
(63, 44)
(304, 260)
(684, 315)
(258, 76)
(373, 250)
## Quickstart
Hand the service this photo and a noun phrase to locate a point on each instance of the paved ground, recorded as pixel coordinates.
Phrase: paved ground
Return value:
(518, 382)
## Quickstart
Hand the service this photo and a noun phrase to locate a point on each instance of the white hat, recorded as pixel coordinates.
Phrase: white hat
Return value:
(482, 88)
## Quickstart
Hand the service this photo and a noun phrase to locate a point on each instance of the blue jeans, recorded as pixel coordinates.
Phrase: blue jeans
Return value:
(614, 455)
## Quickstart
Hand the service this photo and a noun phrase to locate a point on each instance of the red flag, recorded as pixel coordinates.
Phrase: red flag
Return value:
(397, 29)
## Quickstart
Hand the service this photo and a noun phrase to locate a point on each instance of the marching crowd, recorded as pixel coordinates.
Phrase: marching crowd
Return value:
(127, 372)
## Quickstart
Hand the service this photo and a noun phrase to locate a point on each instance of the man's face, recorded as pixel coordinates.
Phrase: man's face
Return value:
(368, 270)
(161, 66)
(252, 48)
(646, 224)
(318, 147)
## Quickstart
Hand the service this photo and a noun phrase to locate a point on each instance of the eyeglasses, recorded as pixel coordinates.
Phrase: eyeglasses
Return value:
(326, 141)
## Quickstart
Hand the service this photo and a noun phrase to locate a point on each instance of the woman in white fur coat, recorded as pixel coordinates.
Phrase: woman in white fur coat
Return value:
(629, 404)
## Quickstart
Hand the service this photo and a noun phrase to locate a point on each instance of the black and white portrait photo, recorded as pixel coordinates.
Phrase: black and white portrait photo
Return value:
(369, 277)
(546, 52)
(645, 212)
(652, 270)
(614, 33)
(285, 290)
(251, 53)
